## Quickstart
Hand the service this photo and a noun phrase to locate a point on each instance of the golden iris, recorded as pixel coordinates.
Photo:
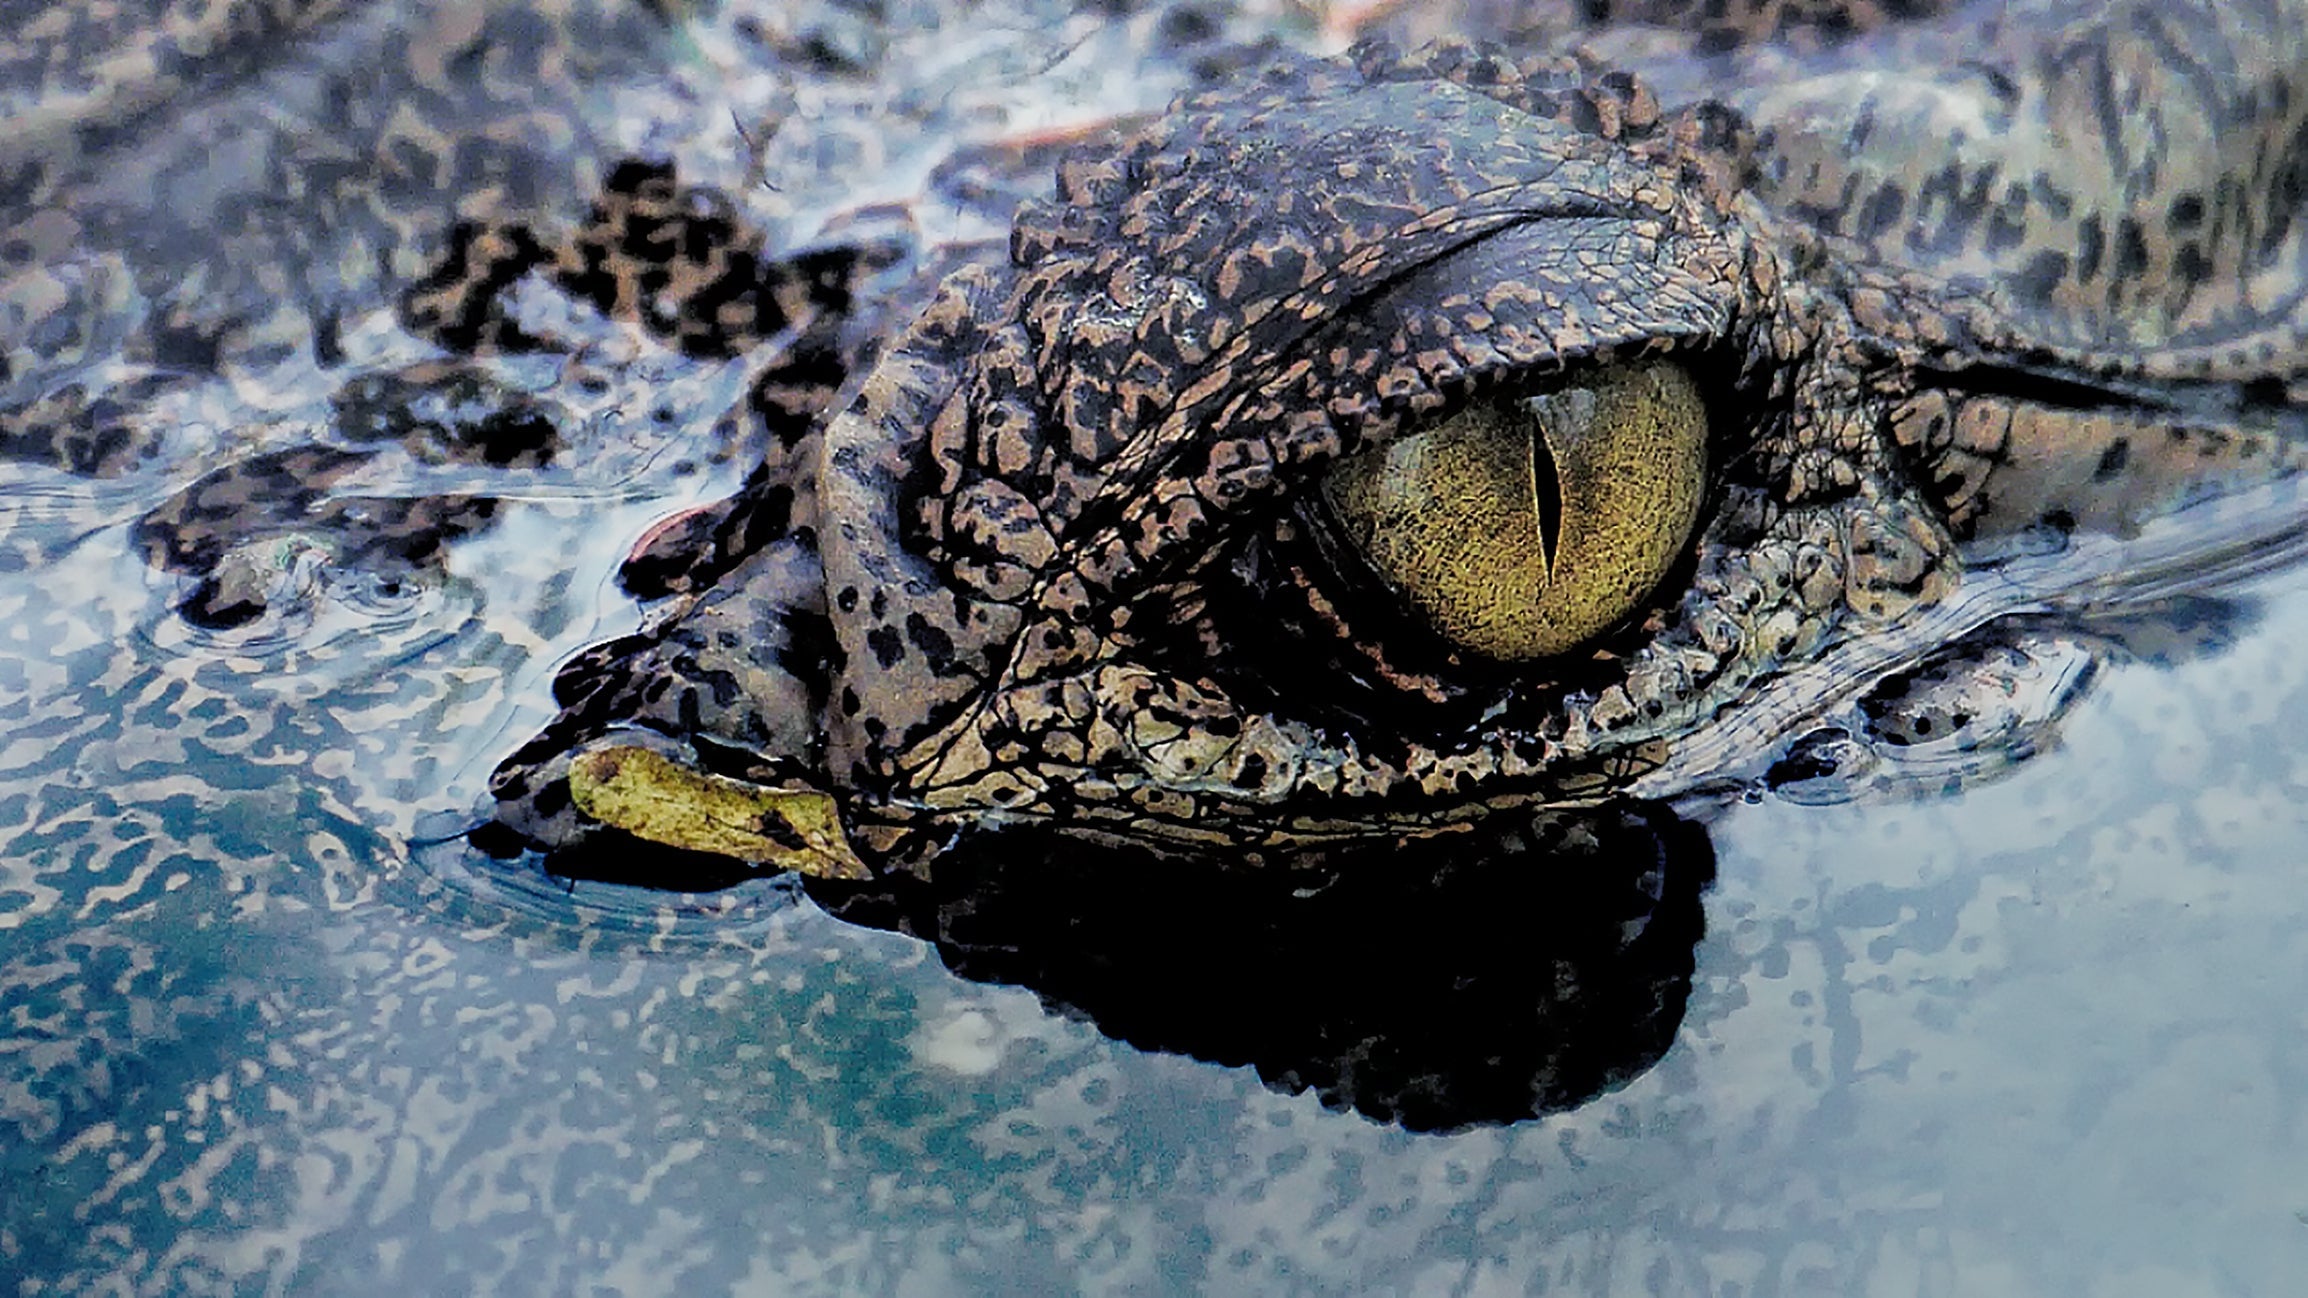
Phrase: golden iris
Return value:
(1527, 529)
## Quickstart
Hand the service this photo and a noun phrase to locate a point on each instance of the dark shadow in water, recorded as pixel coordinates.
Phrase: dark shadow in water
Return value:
(1487, 977)
(1469, 980)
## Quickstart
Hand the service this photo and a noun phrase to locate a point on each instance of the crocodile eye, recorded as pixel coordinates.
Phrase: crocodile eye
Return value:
(1528, 528)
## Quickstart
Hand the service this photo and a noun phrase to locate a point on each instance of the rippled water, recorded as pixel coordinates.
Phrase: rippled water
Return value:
(261, 1030)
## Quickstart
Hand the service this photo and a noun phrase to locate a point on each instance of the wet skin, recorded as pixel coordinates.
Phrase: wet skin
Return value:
(1110, 538)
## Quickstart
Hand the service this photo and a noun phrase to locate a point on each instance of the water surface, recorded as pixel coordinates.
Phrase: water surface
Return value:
(261, 1032)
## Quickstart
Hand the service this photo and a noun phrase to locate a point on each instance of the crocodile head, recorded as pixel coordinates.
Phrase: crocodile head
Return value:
(1357, 457)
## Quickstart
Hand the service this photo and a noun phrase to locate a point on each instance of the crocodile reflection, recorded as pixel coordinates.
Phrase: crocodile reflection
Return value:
(1512, 971)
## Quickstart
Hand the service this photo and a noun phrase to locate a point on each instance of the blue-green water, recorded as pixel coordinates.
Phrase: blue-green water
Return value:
(261, 1033)
(2045, 1037)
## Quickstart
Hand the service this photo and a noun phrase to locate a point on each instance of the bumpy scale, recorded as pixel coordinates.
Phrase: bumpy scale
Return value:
(1016, 556)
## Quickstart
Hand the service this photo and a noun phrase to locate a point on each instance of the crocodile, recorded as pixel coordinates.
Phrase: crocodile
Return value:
(1373, 448)
(314, 317)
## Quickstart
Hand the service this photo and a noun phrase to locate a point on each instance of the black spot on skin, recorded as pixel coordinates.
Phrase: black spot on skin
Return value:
(724, 686)
(96, 454)
(1252, 774)
(2112, 460)
(2007, 224)
(2190, 265)
(1836, 216)
(2053, 201)
(734, 294)
(2131, 249)
(2040, 278)
(475, 320)
(553, 799)
(328, 344)
(888, 649)
(791, 393)
(829, 274)
(2267, 393)
(813, 654)
(633, 175)
(184, 347)
(513, 437)
(590, 280)
(1881, 211)
(1966, 205)
(1935, 199)
(934, 643)
(497, 840)
(2091, 244)
(2187, 212)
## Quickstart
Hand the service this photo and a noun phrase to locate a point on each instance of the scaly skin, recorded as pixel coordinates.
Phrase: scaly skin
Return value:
(391, 261)
(1033, 565)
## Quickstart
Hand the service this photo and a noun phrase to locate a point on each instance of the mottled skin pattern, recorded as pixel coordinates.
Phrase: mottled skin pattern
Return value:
(301, 337)
(301, 308)
(1033, 563)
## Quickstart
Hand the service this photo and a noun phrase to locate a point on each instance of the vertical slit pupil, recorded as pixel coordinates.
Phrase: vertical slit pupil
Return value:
(1548, 487)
